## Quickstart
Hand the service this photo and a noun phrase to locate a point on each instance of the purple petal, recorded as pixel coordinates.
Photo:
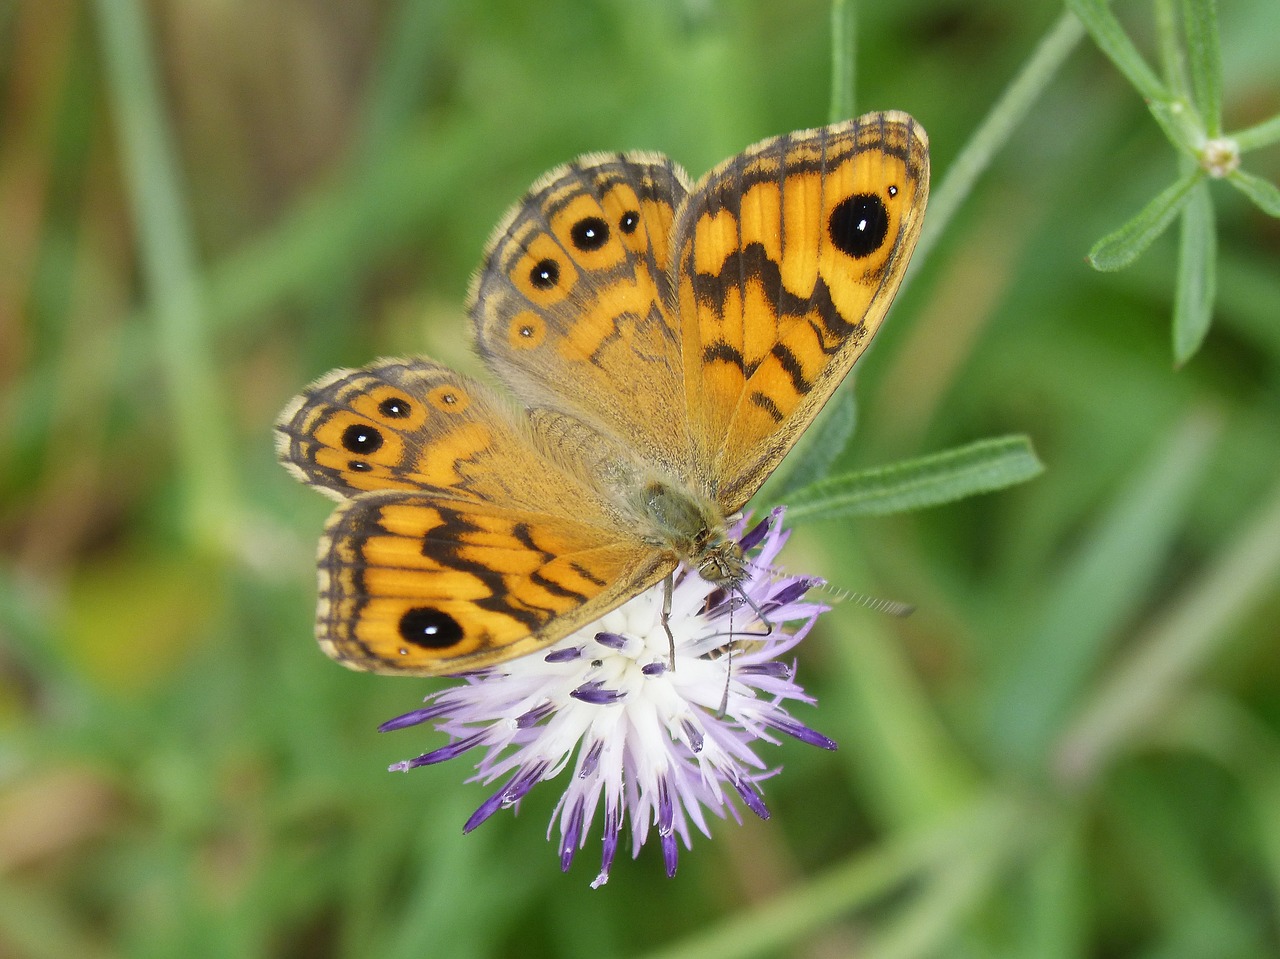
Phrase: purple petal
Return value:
(511, 793)
(519, 786)
(450, 751)
(790, 592)
(423, 715)
(757, 533)
(612, 830)
(666, 811)
(801, 732)
(670, 852)
(569, 838)
(536, 715)
(487, 809)
(751, 797)
(591, 759)
(693, 735)
(654, 669)
(611, 640)
(595, 694)
(565, 655)
(773, 669)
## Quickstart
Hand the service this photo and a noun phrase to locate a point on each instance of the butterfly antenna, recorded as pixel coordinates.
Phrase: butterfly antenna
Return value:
(890, 607)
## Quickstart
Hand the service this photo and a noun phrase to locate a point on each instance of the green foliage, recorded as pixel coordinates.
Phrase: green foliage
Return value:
(917, 484)
(1070, 749)
(1187, 104)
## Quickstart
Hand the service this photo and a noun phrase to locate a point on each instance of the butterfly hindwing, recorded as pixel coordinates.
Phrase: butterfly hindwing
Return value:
(420, 584)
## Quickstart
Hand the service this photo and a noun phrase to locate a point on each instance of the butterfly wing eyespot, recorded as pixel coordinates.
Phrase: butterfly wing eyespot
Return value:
(789, 255)
(416, 584)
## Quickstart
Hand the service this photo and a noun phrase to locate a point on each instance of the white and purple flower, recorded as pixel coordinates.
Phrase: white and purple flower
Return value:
(655, 744)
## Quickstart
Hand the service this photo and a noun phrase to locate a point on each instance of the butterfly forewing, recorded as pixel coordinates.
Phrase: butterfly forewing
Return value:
(571, 307)
(788, 257)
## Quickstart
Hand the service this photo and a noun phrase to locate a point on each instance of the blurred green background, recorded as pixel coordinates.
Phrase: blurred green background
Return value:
(1072, 749)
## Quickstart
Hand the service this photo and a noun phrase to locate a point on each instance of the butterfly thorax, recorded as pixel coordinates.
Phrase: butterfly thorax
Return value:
(693, 528)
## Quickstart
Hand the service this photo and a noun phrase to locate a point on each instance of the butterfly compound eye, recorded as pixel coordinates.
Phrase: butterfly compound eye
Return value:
(859, 224)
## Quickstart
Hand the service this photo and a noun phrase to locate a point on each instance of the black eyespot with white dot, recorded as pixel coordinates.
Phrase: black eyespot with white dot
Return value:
(359, 466)
(430, 628)
(361, 439)
(859, 224)
(629, 221)
(395, 408)
(545, 274)
(589, 233)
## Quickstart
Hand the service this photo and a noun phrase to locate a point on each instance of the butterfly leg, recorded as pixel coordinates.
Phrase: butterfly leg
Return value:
(668, 587)
(765, 621)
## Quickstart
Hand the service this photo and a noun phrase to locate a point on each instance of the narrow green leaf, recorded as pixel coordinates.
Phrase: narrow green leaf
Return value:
(916, 484)
(1197, 276)
(1262, 192)
(1112, 40)
(1259, 135)
(1179, 122)
(1204, 60)
(1117, 250)
(821, 444)
(1169, 41)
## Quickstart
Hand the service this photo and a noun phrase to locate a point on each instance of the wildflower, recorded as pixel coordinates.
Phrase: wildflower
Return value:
(656, 746)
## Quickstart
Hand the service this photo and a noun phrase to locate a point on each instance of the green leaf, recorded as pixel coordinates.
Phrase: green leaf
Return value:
(821, 444)
(1197, 276)
(1179, 122)
(1117, 250)
(1262, 192)
(916, 484)
(1204, 59)
(1115, 43)
(1259, 135)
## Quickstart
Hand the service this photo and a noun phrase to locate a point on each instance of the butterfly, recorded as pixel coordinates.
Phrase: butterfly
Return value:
(667, 343)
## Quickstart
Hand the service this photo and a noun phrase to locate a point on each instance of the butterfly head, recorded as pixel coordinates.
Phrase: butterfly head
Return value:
(720, 561)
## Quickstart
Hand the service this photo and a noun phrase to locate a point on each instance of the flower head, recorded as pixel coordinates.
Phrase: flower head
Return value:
(656, 746)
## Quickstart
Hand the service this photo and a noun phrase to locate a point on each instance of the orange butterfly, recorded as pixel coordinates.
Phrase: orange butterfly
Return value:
(669, 343)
